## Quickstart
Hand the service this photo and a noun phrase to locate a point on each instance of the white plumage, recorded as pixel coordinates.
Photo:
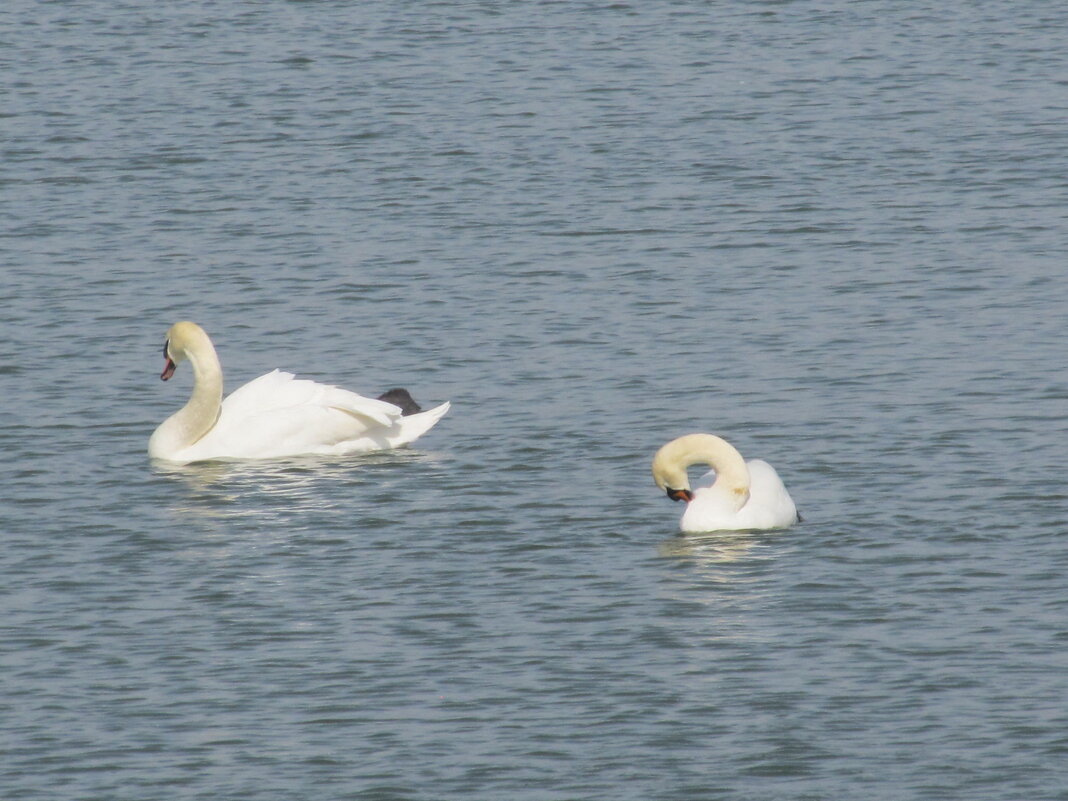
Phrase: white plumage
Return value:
(744, 495)
(275, 415)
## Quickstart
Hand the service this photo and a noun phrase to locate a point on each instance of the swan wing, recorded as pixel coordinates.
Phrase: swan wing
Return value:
(278, 391)
(770, 505)
(279, 415)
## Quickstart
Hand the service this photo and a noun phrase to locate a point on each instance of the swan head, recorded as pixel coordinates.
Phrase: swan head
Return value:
(669, 473)
(182, 339)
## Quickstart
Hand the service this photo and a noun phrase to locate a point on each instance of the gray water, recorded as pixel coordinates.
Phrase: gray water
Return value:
(833, 233)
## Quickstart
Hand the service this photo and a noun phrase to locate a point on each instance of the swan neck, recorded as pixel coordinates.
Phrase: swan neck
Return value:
(207, 385)
(732, 474)
(201, 412)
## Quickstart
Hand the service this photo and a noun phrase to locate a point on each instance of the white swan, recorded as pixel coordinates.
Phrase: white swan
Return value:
(745, 495)
(275, 415)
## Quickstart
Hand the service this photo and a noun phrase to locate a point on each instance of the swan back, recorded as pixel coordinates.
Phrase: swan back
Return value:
(769, 505)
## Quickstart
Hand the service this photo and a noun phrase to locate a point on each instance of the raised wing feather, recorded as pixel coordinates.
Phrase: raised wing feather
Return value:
(280, 415)
(278, 390)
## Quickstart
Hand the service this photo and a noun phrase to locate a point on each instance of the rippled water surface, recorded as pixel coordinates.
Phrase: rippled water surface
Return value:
(833, 233)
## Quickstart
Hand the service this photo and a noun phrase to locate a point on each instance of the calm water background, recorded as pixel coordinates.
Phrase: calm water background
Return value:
(834, 233)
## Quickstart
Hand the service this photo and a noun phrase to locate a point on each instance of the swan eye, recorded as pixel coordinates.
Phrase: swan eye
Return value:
(166, 345)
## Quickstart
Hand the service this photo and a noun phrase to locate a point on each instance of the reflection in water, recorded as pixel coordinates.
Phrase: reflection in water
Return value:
(729, 575)
(714, 548)
(280, 487)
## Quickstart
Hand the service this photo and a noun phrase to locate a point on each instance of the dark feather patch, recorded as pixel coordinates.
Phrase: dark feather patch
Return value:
(403, 399)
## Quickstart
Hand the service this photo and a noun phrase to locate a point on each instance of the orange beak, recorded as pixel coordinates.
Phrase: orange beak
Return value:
(168, 369)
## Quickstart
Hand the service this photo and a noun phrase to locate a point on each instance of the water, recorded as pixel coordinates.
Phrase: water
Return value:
(834, 234)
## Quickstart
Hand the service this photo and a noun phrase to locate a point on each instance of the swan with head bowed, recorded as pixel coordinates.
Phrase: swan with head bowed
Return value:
(744, 495)
(275, 415)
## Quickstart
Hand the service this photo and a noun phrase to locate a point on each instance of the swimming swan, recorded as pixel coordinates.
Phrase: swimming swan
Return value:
(745, 495)
(274, 415)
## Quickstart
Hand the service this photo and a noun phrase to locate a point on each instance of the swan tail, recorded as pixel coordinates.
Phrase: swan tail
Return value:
(413, 426)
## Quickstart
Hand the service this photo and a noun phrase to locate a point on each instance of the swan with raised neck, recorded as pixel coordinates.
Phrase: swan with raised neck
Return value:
(276, 415)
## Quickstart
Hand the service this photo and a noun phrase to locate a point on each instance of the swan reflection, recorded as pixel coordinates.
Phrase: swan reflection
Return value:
(280, 488)
(713, 549)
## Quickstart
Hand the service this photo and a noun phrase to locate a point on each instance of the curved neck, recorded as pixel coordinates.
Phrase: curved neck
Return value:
(732, 475)
(186, 426)
(202, 410)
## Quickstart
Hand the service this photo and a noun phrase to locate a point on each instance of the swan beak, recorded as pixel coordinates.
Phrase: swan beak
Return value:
(679, 494)
(168, 369)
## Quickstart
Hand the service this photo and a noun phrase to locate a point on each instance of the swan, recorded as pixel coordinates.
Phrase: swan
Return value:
(275, 415)
(745, 495)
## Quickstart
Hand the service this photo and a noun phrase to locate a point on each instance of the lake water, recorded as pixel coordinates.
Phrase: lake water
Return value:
(834, 233)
